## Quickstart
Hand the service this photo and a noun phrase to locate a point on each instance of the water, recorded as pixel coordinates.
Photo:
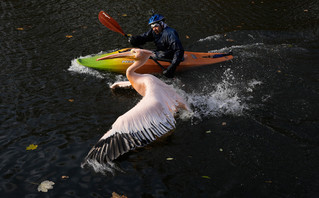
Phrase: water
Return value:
(254, 131)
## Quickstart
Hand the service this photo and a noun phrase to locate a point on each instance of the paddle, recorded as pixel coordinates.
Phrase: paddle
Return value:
(110, 23)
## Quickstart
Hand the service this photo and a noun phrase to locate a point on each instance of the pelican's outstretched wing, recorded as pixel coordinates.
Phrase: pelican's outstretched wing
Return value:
(152, 117)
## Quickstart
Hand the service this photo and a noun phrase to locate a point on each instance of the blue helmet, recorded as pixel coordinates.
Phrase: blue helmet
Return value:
(155, 19)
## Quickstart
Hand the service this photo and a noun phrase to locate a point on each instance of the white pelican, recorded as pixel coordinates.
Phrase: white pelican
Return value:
(151, 118)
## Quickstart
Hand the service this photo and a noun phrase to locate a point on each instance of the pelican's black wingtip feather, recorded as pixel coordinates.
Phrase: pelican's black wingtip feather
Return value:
(106, 150)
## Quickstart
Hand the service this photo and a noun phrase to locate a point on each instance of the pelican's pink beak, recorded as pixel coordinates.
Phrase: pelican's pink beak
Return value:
(128, 54)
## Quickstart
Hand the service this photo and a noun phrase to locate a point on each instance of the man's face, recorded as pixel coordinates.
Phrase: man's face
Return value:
(157, 28)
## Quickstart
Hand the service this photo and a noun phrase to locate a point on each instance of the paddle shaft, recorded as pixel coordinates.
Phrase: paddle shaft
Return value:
(159, 64)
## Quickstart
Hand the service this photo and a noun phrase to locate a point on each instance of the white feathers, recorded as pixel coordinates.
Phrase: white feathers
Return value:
(156, 108)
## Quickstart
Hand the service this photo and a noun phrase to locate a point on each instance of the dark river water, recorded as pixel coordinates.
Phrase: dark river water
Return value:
(254, 131)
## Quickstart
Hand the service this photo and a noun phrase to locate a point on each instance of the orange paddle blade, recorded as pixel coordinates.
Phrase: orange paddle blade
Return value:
(110, 23)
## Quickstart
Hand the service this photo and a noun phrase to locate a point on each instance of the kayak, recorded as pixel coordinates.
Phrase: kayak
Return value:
(119, 65)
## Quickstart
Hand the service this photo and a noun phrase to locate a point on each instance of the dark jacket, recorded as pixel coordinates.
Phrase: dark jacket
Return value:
(167, 44)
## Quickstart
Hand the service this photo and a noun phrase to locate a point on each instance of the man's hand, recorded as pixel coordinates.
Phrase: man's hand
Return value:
(168, 73)
(129, 39)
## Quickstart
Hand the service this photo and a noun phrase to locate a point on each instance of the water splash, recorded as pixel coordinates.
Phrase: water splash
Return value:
(78, 68)
(209, 38)
(104, 168)
(228, 97)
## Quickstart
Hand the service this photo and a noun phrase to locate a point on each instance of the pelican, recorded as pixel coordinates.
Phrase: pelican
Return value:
(150, 119)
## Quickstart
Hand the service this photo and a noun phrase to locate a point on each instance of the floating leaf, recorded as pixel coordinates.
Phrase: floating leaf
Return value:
(125, 15)
(45, 186)
(65, 177)
(71, 100)
(224, 123)
(68, 36)
(187, 37)
(206, 177)
(20, 28)
(169, 159)
(32, 147)
(209, 131)
(129, 35)
(115, 195)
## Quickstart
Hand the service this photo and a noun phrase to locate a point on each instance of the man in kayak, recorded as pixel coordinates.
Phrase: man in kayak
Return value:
(166, 39)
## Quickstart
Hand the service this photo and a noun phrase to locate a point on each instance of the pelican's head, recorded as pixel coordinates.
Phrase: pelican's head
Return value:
(134, 53)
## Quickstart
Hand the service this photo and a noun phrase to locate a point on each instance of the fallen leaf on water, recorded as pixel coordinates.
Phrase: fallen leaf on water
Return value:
(71, 100)
(187, 37)
(129, 35)
(206, 177)
(306, 10)
(209, 131)
(45, 186)
(68, 36)
(65, 177)
(32, 147)
(115, 195)
(20, 28)
(169, 159)
(224, 123)
(125, 15)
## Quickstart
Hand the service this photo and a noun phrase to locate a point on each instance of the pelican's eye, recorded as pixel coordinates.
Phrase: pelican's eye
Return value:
(135, 53)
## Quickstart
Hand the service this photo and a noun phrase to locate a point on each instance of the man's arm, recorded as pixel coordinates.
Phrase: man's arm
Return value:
(141, 39)
(176, 46)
